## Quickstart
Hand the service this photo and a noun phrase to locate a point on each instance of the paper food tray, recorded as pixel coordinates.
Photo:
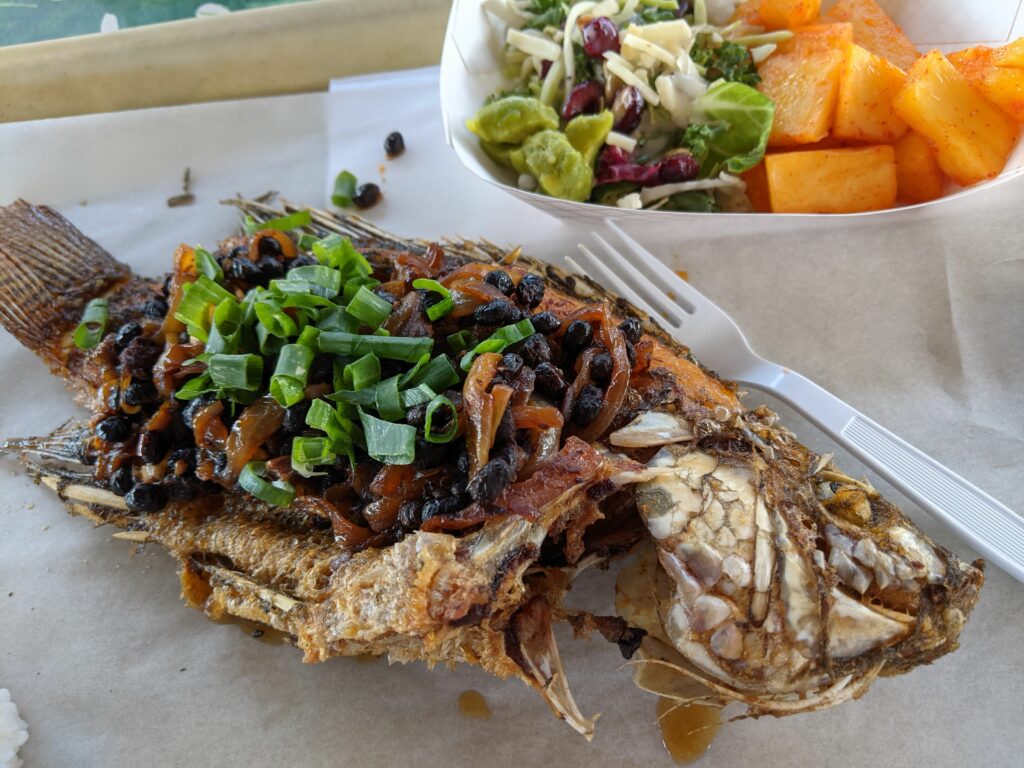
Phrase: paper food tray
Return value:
(471, 70)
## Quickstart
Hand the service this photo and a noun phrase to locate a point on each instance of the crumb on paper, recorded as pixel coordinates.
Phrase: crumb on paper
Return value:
(13, 731)
(46, 528)
(186, 197)
(683, 274)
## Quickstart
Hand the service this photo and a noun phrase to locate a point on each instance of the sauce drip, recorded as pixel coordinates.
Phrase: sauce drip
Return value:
(687, 730)
(472, 704)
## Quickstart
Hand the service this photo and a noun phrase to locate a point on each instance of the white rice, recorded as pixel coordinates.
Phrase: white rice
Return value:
(13, 731)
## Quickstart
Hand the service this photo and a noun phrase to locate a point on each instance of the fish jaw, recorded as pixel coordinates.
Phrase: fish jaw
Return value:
(778, 575)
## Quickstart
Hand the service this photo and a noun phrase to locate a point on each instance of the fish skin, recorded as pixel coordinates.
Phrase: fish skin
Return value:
(426, 597)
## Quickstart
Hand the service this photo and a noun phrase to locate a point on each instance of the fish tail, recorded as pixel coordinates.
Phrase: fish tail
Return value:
(48, 273)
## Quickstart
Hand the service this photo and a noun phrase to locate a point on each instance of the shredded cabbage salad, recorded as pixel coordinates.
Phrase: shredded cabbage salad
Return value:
(640, 104)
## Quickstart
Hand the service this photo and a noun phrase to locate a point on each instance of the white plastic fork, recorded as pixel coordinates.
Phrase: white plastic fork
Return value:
(716, 340)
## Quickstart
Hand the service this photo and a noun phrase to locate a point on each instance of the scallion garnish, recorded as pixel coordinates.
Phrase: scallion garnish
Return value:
(499, 340)
(277, 493)
(387, 347)
(288, 384)
(193, 388)
(417, 396)
(335, 318)
(363, 373)
(352, 286)
(344, 189)
(244, 372)
(438, 374)
(388, 402)
(441, 308)
(208, 265)
(311, 452)
(440, 401)
(388, 442)
(275, 320)
(197, 300)
(461, 340)
(306, 241)
(94, 322)
(226, 330)
(338, 252)
(369, 308)
(291, 221)
(326, 279)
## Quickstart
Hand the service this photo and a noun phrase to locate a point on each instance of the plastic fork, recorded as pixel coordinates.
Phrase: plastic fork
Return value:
(692, 319)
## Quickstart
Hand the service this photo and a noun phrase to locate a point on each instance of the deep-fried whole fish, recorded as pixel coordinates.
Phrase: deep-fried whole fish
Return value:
(414, 452)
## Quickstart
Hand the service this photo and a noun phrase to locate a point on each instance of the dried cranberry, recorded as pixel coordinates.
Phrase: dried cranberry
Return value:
(628, 109)
(616, 165)
(545, 67)
(600, 35)
(584, 98)
(612, 155)
(679, 167)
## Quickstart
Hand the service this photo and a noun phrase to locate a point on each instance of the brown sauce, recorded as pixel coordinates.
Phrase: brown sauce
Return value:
(260, 632)
(366, 658)
(472, 704)
(687, 730)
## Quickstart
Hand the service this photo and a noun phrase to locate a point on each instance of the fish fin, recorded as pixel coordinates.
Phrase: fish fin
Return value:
(48, 273)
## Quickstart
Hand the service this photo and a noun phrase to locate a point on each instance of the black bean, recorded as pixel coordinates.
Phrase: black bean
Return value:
(155, 308)
(487, 484)
(417, 415)
(530, 291)
(240, 252)
(632, 329)
(546, 323)
(394, 144)
(428, 455)
(535, 350)
(182, 488)
(245, 270)
(587, 405)
(409, 515)
(445, 506)
(125, 334)
(194, 406)
(302, 260)
(601, 367)
(500, 279)
(153, 446)
(122, 480)
(139, 392)
(268, 246)
(511, 364)
(462, 463)
(428, 298)
(577, 336)
(506, 432)
(550, 380)
(494, 312)
(367, 196)
(270, 268)
(139, 357)
(114, 429)
(322, 370)
(295, 418)
(457, 488)
(186, 455)
(146, 497)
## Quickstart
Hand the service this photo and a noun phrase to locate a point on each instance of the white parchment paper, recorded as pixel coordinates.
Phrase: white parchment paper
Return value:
(920, 326)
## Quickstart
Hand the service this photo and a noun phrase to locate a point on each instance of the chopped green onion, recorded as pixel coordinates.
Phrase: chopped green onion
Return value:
(291, 221)
(417, 396)
(444, 306)
(440, 401)
(226, 330)
(94, 322)
(278, 493)
(363, 373)
(288, 384)
(243, 372)
(250, 225)
(208, 265)
(388, 347)
(438, 374)
(193, 388)
(197, 300)
(344, 189)
(309, 336)
(389, 404)
(369, 308)
(310, 452)
(461, 340)
(275, 320)
(338, 252)
(269, 345)
(353, 286)
(366, 398)
(327, 279)
(306, 241)
(388, 442)
(499, 340)
(412, 372)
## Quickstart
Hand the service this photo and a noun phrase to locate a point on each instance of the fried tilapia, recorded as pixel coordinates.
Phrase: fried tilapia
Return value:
(383, 446)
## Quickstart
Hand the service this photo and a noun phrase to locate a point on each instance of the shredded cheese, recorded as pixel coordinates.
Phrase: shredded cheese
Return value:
(533, 44)
(570, 25)
(621, 140)
(762, 52)
(656, 52)
(651, 194)
(620, 68)
(549, 91)
(630, 201)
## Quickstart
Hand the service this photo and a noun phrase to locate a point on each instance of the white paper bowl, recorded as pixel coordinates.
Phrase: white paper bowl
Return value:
(470, 71)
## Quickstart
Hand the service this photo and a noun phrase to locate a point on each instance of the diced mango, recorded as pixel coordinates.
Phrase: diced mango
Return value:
(788, 14)
(971, 137)
(875, 31)
(832, 180)
(867, 86)
(1010, 55)
(1002, 85)
(918, 176)
(802, 78)
(757, 188)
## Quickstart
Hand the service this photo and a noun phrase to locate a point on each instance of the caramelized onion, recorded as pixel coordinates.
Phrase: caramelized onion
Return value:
(210, 432)
(468, 294)
(256, 424)
(170, 369)
(577, 463)
(185, 271)
(346, 533)
(538, 417)
(479, 271)
(478, 406)
(434, 257)
(395, 484)
(408, 267)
